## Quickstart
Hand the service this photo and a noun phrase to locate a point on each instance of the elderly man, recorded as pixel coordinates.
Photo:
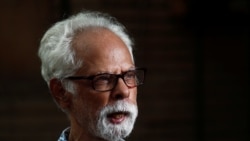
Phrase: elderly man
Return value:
(88, 64)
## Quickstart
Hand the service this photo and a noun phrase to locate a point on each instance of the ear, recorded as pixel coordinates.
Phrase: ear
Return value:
(59, 94)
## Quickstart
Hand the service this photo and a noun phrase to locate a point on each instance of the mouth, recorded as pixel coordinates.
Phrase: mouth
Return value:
(117, 117)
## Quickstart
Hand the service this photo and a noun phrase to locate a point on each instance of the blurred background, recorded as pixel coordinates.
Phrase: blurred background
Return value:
(196, 52)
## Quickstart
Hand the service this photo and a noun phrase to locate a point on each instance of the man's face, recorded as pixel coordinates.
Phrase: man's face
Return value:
(111, 114)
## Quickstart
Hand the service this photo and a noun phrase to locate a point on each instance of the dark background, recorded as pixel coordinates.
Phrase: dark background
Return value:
(196, 52)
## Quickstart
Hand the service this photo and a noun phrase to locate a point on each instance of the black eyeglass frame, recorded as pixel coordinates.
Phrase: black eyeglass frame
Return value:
(117, 76)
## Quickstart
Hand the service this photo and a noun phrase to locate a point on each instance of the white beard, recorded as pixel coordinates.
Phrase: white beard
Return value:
(116, 132)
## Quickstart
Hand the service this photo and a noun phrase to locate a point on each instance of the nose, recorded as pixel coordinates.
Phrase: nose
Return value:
(121, 90)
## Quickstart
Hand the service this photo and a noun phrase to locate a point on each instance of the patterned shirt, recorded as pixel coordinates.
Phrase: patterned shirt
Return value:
(65, 135)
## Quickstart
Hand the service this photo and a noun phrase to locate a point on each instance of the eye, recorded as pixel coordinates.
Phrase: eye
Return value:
(130, 78)
(102, 79)
(130, 75)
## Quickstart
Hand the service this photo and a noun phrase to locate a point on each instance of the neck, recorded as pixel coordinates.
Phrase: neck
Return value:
(77, 133)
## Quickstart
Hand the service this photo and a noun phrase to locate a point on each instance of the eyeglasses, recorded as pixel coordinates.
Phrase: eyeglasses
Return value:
(106, 81)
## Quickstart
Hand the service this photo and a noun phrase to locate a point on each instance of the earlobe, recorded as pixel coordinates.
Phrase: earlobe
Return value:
(60, 95)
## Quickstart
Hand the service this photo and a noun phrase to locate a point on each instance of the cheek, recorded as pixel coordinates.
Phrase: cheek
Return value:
(88, 96)
(94, 101)
(133, 95)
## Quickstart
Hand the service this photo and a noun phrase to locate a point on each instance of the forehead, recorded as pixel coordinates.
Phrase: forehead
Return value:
(101, 48)
(94, 38)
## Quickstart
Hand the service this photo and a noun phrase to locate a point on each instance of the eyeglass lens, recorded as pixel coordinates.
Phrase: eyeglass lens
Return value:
(106, 82)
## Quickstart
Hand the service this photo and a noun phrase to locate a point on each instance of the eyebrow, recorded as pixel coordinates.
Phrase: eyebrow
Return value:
(108, 72)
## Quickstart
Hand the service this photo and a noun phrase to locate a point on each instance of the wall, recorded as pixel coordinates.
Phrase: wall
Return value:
(196, 54)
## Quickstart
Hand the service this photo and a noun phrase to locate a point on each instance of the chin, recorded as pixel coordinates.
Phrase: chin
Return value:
(116, 121)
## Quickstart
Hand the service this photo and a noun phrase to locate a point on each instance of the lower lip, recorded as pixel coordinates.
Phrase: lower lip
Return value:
(117, 120)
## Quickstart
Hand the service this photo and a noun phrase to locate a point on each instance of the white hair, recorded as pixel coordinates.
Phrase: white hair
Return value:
(57, 56)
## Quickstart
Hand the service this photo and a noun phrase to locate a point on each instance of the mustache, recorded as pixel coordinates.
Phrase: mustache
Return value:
(116, 132)
(120, 107)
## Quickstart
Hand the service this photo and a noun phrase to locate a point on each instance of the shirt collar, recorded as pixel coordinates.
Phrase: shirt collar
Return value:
(64, 135)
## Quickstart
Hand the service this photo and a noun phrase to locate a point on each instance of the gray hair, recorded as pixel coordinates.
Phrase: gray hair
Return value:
(58, 58)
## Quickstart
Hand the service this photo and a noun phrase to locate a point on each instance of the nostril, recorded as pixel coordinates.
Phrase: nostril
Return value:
(118, 96)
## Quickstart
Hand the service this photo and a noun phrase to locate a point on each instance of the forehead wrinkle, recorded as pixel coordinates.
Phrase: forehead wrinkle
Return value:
(113, 52)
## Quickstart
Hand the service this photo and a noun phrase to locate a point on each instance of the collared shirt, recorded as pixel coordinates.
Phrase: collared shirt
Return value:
(65, 135)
